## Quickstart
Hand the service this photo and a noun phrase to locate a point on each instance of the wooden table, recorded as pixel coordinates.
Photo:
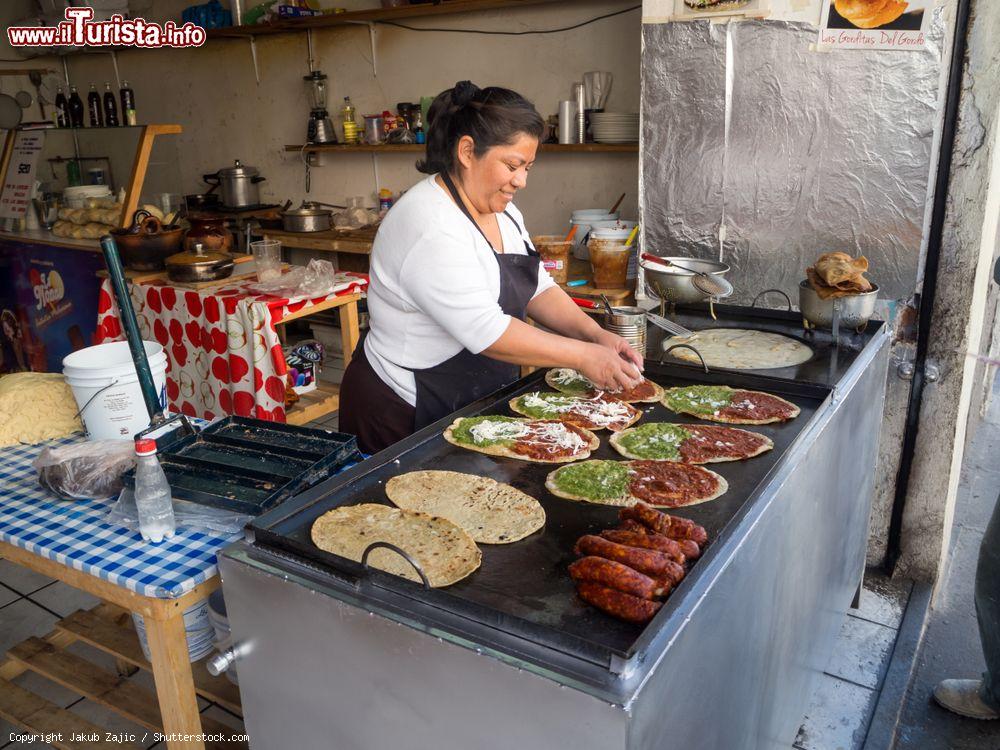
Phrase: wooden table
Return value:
(174, 708)
(71, 542)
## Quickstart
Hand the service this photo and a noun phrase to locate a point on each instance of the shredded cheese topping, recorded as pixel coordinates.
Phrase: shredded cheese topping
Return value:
(600, 411)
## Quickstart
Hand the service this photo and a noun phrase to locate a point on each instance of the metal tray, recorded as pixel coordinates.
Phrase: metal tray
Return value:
(523, 588)
(249, 465)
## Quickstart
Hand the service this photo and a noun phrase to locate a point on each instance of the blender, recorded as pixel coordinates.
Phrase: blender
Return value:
(320, 127)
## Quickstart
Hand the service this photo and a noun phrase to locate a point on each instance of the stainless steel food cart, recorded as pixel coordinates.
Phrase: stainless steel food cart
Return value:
(332, 655)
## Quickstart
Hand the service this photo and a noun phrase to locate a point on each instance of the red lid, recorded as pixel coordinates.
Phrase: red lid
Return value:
(145, 446)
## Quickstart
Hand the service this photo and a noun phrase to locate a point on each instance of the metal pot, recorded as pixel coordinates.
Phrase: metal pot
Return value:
(200, 265)
(238, 183)
(854, 311)
(675, 285)
(147, 243)
(308, 217)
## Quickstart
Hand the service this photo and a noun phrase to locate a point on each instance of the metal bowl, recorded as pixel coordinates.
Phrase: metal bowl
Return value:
(675, 285)
(854, 311)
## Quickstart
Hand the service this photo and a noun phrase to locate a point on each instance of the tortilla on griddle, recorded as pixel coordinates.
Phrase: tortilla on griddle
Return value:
(496, 435)
(599, 412)
(615, 482)
(445, 551)
(493, 513)
(573, 382)
(710, 401)
(741, 349)
(667, 441)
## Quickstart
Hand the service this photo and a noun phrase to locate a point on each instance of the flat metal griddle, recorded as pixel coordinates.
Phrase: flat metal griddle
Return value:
(249, 465)
(523, 588)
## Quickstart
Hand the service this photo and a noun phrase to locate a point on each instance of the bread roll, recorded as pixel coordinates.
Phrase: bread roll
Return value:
(870, 14)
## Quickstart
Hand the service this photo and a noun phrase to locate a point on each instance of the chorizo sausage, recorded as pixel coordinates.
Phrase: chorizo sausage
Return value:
(646, 541)
(618, 604)
(614, 575)
(629, 525)
(689, 549)
(674, 527)
(648, 516)
(648, 561)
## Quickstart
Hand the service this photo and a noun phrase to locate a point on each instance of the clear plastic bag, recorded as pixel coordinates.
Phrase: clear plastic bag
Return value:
(82, 471)
(188, 516)
(317, 279)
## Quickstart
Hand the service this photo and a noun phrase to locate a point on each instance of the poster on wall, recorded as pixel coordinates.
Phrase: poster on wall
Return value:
(19, 181)
(875, 24)
(692, 10)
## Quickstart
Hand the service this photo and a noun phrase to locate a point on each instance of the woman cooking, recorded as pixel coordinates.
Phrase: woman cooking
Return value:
(453, 275)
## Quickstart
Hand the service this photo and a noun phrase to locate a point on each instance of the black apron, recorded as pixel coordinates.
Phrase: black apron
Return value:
(466, 377)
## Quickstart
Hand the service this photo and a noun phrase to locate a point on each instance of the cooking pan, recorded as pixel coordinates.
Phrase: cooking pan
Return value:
(147, 243)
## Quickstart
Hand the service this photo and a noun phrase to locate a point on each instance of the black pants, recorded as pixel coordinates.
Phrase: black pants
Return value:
(988, 606)
(370, 409)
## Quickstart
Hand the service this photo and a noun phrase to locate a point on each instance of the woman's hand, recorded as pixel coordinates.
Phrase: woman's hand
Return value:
(620, 345)
(608, 368)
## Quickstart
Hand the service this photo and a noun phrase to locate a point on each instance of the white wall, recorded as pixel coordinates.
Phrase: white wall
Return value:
(226, 115)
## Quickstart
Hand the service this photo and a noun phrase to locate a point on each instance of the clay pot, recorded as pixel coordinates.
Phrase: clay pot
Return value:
(210, 233)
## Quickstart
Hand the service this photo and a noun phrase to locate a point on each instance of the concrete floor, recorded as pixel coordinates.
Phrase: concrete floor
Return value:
(951, 647)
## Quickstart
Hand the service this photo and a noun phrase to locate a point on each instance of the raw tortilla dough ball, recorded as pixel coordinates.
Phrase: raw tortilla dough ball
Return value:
(36, 406)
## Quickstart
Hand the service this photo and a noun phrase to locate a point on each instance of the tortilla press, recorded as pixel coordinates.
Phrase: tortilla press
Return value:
(236, 463)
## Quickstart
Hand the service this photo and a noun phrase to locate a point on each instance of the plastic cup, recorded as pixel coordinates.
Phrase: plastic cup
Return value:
(267, 256)
(555, 252)
(609, 261)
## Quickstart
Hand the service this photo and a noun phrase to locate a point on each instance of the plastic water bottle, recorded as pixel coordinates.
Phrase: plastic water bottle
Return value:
(152, 495)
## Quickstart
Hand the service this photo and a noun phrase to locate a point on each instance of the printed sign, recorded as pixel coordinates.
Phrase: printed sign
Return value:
(20, 178)
(875, 24)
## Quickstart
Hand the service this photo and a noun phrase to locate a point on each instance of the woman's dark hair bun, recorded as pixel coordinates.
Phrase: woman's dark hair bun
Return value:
(464, 92)
(491, 116)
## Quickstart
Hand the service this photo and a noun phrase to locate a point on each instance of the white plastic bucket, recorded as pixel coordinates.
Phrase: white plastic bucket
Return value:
(197, 629)
(106, 388)
(584, 219)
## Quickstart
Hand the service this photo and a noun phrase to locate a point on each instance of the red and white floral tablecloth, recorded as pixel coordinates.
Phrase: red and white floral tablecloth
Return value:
(223, 352)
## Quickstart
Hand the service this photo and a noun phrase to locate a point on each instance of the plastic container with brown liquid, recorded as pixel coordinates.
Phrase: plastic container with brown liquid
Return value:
(555, 252)
(609, 261)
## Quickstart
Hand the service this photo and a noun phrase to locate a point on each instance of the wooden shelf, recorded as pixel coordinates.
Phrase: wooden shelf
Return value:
(418, 148)
(315, 404)
(331, 20)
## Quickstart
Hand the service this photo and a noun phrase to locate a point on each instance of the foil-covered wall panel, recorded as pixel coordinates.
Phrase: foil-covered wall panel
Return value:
(683, 135)
(825, 150)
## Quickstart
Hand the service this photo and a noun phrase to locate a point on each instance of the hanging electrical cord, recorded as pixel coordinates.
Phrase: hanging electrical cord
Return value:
(399, 25)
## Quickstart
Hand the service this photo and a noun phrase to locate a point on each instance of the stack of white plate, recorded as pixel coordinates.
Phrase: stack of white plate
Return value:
(615, 127)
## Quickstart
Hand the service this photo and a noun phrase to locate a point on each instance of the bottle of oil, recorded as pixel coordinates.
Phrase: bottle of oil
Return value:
(350, 124)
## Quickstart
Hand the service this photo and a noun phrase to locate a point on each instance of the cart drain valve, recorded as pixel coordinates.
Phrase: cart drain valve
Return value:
(222, 661)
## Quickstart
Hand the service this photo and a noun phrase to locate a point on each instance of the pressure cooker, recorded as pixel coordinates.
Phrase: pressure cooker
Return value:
(238, 183)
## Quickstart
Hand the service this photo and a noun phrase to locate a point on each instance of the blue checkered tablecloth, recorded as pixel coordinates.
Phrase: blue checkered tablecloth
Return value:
(72, 533)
